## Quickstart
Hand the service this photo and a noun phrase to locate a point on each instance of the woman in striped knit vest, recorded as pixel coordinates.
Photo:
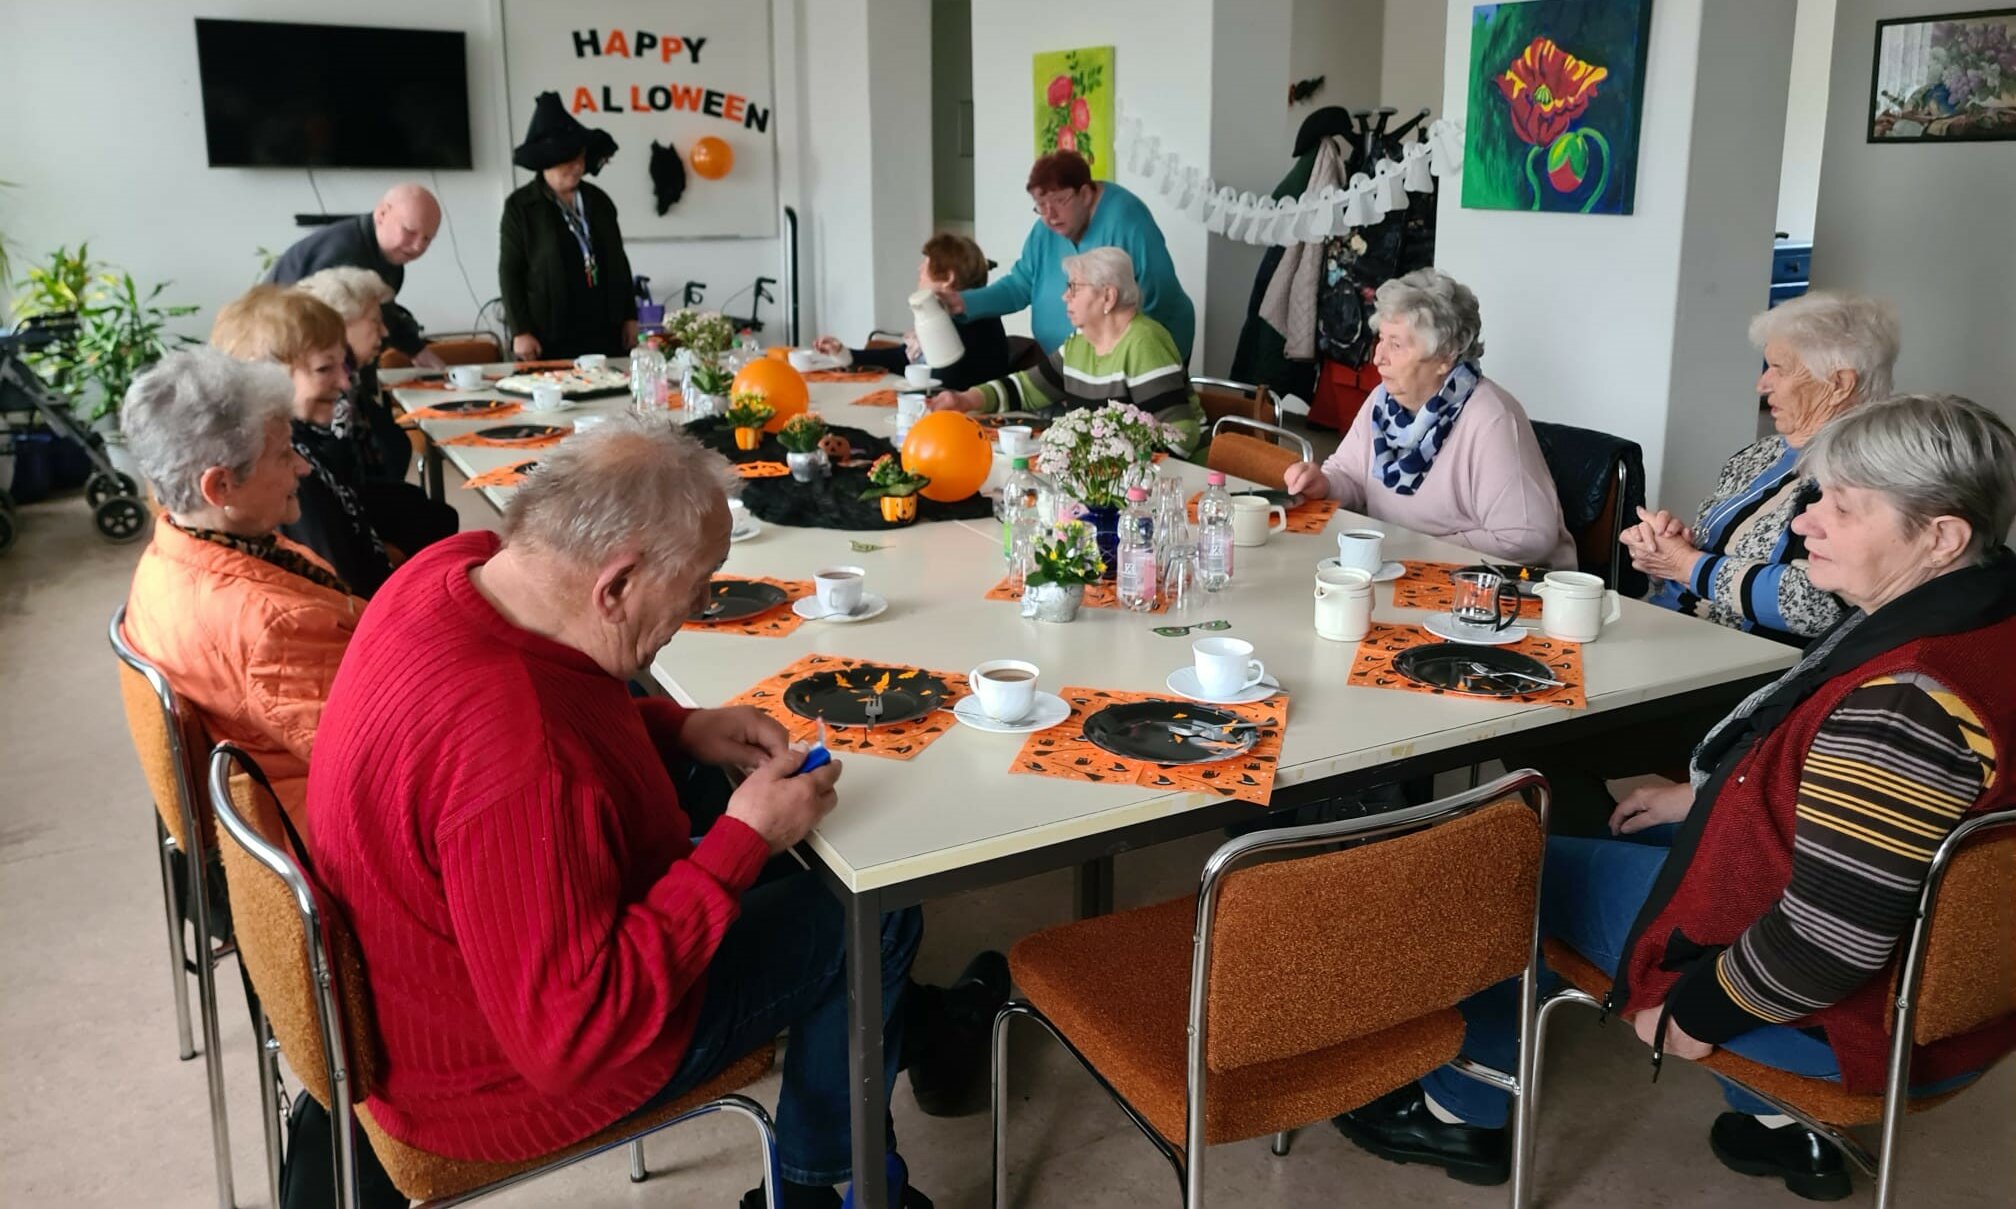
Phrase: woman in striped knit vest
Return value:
(1772, 923)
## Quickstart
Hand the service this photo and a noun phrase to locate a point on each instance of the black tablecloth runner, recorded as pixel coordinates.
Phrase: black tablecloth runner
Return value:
(833, 502)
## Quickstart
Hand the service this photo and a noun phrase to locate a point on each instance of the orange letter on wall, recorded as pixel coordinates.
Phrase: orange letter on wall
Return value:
(733, 110)
(583, 100)
(617, 44)
(669, 47)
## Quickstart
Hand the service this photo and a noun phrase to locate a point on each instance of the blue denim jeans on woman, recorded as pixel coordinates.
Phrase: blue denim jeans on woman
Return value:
(1590, 895)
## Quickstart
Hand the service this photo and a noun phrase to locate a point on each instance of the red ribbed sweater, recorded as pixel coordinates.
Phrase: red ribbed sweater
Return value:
(493, 814)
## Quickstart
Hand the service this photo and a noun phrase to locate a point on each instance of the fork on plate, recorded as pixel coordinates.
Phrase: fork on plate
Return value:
(872, 709)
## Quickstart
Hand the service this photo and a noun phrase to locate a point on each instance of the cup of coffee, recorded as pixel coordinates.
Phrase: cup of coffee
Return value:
(465, 377)
(803, 360)
(1006, 688)
(547, 397)
(1343, 603)
(1017, 440)
(1225, 666)
(1485, 600)
(738, 512)
(1254, 520)
(911, 406)
(919, 375)
(591, 361)
(840, 588)
(1360, 548)
(1575, 606)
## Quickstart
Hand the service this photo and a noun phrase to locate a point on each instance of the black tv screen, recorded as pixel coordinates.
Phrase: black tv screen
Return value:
(280, 95)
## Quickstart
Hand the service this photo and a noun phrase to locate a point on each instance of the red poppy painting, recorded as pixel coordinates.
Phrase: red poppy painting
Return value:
(1074, 105)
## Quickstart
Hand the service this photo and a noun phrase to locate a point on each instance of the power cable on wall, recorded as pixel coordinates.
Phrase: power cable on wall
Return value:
(455, 246)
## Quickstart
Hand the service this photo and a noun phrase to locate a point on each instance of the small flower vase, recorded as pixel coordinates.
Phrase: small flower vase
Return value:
(899, 509)
(1105, 522)
(808, 466)
(748, 438)
(1052, 602)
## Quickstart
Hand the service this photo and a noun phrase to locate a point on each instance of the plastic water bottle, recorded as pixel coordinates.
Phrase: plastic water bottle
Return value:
(1017, 510)
(1137, 553)
(1214, 533)
(650, 380)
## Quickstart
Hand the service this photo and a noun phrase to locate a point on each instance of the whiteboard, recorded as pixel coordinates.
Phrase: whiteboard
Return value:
(647, 71)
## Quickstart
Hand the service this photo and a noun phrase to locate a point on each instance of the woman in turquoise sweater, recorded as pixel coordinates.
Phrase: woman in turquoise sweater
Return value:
(1117, 354)
(1076, 214)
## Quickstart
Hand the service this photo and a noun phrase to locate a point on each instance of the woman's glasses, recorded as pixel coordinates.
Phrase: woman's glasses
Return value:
(1179, 631)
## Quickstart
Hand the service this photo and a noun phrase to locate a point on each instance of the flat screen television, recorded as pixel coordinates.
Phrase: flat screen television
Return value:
(282, 95)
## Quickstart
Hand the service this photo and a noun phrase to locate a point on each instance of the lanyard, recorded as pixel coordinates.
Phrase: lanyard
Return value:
(576, 218)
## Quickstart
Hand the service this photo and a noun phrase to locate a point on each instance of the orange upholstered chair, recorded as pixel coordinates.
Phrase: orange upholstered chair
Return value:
(1262, 459)
(454, 348)
(304, 960)
(1293, 990)
(1223, 397)
(1957, 974)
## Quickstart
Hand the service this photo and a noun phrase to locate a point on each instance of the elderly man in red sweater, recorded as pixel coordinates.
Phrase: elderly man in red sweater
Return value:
(549, 950)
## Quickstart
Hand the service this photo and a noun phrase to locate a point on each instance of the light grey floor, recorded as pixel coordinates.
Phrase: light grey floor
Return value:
(95, 1110)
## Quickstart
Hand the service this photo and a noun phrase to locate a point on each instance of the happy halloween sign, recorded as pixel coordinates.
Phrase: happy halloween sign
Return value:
(658, 98)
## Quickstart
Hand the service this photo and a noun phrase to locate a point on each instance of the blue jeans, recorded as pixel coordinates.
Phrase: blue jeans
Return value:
(783, 965)
(1591, 892)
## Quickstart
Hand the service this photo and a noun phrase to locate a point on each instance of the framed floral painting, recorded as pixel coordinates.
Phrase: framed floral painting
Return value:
(1074, 105)
(1949, 78)
(1557, 90)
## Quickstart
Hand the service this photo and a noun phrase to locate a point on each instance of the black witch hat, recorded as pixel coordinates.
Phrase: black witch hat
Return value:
(555, 136)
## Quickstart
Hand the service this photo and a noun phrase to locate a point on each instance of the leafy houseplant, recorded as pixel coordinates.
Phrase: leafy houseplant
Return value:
(1062, 564)
(748, 412)
(1095, 455)
(896, 487)
(803, 437)
(121, 329)
(706, 333)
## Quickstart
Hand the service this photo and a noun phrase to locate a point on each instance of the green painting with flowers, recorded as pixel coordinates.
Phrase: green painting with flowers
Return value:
(1557, 88)
(1074, 105)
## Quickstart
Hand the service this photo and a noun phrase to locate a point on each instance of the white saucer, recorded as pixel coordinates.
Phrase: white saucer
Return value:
(871, 606)
(1387, 572)
(753, 529)
(1183, 682)
(1048, 711)
(911, 388)
(1443, 626)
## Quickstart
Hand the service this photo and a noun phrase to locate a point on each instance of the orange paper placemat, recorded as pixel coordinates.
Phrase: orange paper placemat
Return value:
(761, 470)
(895, 741)
(1428, 586)
(1063, 751)
(1309, 516)
(774, 624)
(1374, 665)
(502, 476)
(497, 411)
(538, 442)
(877, 398)
(1097, 596)
(845, 375)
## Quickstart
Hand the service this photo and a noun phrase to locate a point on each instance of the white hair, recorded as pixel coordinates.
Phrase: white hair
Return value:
(1830, 332)
(1103, 267)
(349, 291)
(1441, 310)
(197, 408)
(630, 483)
(1930, 456)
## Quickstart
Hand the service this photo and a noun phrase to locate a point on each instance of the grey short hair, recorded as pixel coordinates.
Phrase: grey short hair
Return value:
(1441, 310)
(1102, 267)
(1930, 456)
(197, 408)
(349, 291)
(1830, 332)
(629, 483)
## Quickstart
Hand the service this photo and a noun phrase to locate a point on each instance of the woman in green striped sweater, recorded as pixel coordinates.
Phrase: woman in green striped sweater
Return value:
(1115, 355)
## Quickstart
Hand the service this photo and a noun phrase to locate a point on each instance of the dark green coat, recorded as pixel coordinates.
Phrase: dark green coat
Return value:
(545, 289)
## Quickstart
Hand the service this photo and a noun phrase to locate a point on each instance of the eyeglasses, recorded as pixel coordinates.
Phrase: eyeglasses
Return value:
(1072, 287)
(1180, 631)
(1052, 203)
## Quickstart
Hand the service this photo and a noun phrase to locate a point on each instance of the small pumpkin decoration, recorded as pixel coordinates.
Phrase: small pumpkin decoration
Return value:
(899, 509)
(838, 448)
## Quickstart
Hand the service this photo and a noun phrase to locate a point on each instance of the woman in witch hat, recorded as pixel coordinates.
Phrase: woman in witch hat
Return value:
(565, 279)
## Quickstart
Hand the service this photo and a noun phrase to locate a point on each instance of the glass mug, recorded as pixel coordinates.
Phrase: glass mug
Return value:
(1485, 600)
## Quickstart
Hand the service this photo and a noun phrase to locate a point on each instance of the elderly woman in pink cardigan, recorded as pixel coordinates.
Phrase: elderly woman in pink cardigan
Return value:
(1439, 448)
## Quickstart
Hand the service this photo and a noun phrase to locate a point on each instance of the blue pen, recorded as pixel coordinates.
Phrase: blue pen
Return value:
(818, 757)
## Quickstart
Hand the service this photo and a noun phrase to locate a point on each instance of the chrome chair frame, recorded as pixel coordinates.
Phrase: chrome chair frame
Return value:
(211, 950)
(1250, 389)
(335, 1037)
(1881, 1166)
(1278, 433)
(1189, 1164)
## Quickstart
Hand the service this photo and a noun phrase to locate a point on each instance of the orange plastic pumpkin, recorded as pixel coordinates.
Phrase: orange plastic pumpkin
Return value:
(899, 509)
(712, 158)
(951, 449)
(781, 387)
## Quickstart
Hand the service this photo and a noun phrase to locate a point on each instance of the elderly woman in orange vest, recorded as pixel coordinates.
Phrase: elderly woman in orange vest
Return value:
(1800, 844)
(247, 626)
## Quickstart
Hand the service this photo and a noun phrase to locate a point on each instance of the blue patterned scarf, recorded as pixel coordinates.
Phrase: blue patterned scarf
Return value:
(1404, 443)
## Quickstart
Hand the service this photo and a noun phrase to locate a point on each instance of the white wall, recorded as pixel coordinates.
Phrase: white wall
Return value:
(1923, 225)
(1341, 41)
(1249, 42)
(951, 93)
(1806, 118)
(1412, 35)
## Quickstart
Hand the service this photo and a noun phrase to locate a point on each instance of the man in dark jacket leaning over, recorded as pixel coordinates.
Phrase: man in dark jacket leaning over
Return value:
(396, 233)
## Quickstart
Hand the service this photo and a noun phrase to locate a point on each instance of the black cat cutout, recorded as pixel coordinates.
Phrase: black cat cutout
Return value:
(668, 176)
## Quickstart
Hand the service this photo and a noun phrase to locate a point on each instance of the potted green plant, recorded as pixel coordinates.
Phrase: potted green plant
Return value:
(803, 438)
(896, 487)
(747, 413)
(699, 339)
(1062, 564)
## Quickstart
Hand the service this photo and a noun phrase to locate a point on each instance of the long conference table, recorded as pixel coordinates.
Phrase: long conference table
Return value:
(955, 818)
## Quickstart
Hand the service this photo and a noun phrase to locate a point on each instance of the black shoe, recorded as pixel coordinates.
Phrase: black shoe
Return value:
(793, 1196)
(1809, 1164)
(946, 1037)
(1399, 1128)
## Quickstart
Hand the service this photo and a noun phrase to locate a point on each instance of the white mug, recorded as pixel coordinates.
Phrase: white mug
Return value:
(911, 406)
(1343, 603)
(1254, 520)
(840, 588)
(1006, 688)
(1574, 606)
(919, 375)
(803, 360)
(738, 512)
(465, 377)
(547, 397)
(591, 361)
(1018, 441)
(1359, 548)
(1225, 666)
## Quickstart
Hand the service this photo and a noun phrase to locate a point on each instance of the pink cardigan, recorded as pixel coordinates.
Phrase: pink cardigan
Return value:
(1489, 488)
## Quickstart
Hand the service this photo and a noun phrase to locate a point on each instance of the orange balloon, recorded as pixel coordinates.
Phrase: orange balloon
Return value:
(953, 450)
(713, 158)
(779, 352)
(781, 386)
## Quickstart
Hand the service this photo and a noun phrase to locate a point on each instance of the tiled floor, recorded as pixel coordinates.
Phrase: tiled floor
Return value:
(95, 1110)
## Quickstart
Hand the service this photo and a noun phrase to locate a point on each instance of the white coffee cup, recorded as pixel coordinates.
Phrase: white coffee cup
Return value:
(1343, 603)
(1575, 606)
(803, 361)
(1254, 520)
(1225, 666)
(1017, 440)
(1006, 688)
(738, 512)
(547, 397)
(912, 405)
(919, 375)
(465, 377)
(840, 588)
(1360, 548)
(591, 361)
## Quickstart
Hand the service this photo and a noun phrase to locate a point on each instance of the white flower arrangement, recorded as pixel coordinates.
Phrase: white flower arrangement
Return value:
(1094, 455)
(707, 333)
